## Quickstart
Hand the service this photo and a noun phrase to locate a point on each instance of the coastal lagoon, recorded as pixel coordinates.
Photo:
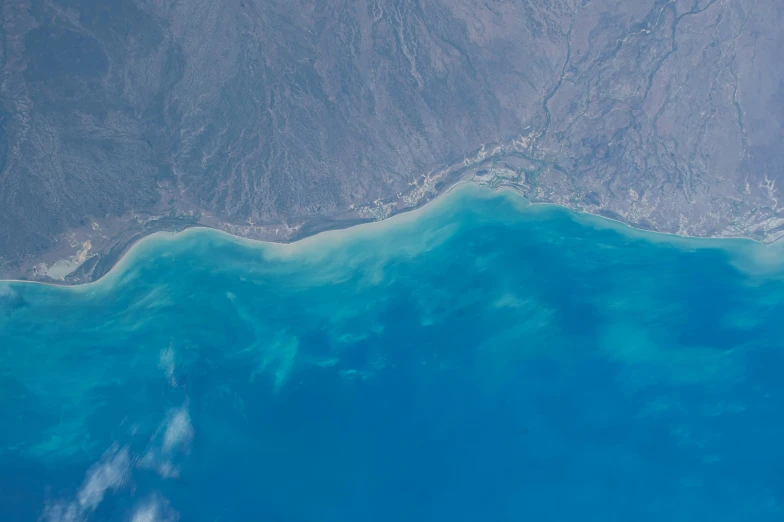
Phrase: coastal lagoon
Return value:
(477, 360)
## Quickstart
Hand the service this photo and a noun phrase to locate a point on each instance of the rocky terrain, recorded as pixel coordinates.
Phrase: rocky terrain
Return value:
(277, 119)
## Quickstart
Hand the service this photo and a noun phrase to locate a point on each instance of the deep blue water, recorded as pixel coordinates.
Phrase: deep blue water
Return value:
(474, 361)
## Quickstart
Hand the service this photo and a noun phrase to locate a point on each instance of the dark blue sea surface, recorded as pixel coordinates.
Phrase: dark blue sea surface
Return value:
(474, 361)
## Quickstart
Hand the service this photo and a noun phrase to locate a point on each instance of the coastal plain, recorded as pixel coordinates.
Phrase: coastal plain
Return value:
(275, 120)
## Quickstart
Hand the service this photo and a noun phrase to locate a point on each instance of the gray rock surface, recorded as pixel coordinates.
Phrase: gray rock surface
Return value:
(276, 119)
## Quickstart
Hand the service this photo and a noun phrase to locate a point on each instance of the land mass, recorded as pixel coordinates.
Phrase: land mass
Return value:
(277, 120)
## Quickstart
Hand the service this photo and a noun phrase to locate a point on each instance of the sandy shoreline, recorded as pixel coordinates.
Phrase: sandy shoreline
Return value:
(767, 255)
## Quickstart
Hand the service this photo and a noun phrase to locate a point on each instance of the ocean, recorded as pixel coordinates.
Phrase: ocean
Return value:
(477, 360)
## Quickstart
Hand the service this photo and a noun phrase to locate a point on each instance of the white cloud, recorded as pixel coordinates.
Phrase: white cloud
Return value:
(154, 509)
(166, 363)
(171, 439)
(179, 431)
(62, 512)
(111, 472)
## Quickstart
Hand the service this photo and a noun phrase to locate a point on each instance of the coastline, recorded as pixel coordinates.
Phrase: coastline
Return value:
(774, 251)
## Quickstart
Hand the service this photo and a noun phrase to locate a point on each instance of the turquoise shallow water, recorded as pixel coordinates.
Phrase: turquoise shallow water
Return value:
(476, 360)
